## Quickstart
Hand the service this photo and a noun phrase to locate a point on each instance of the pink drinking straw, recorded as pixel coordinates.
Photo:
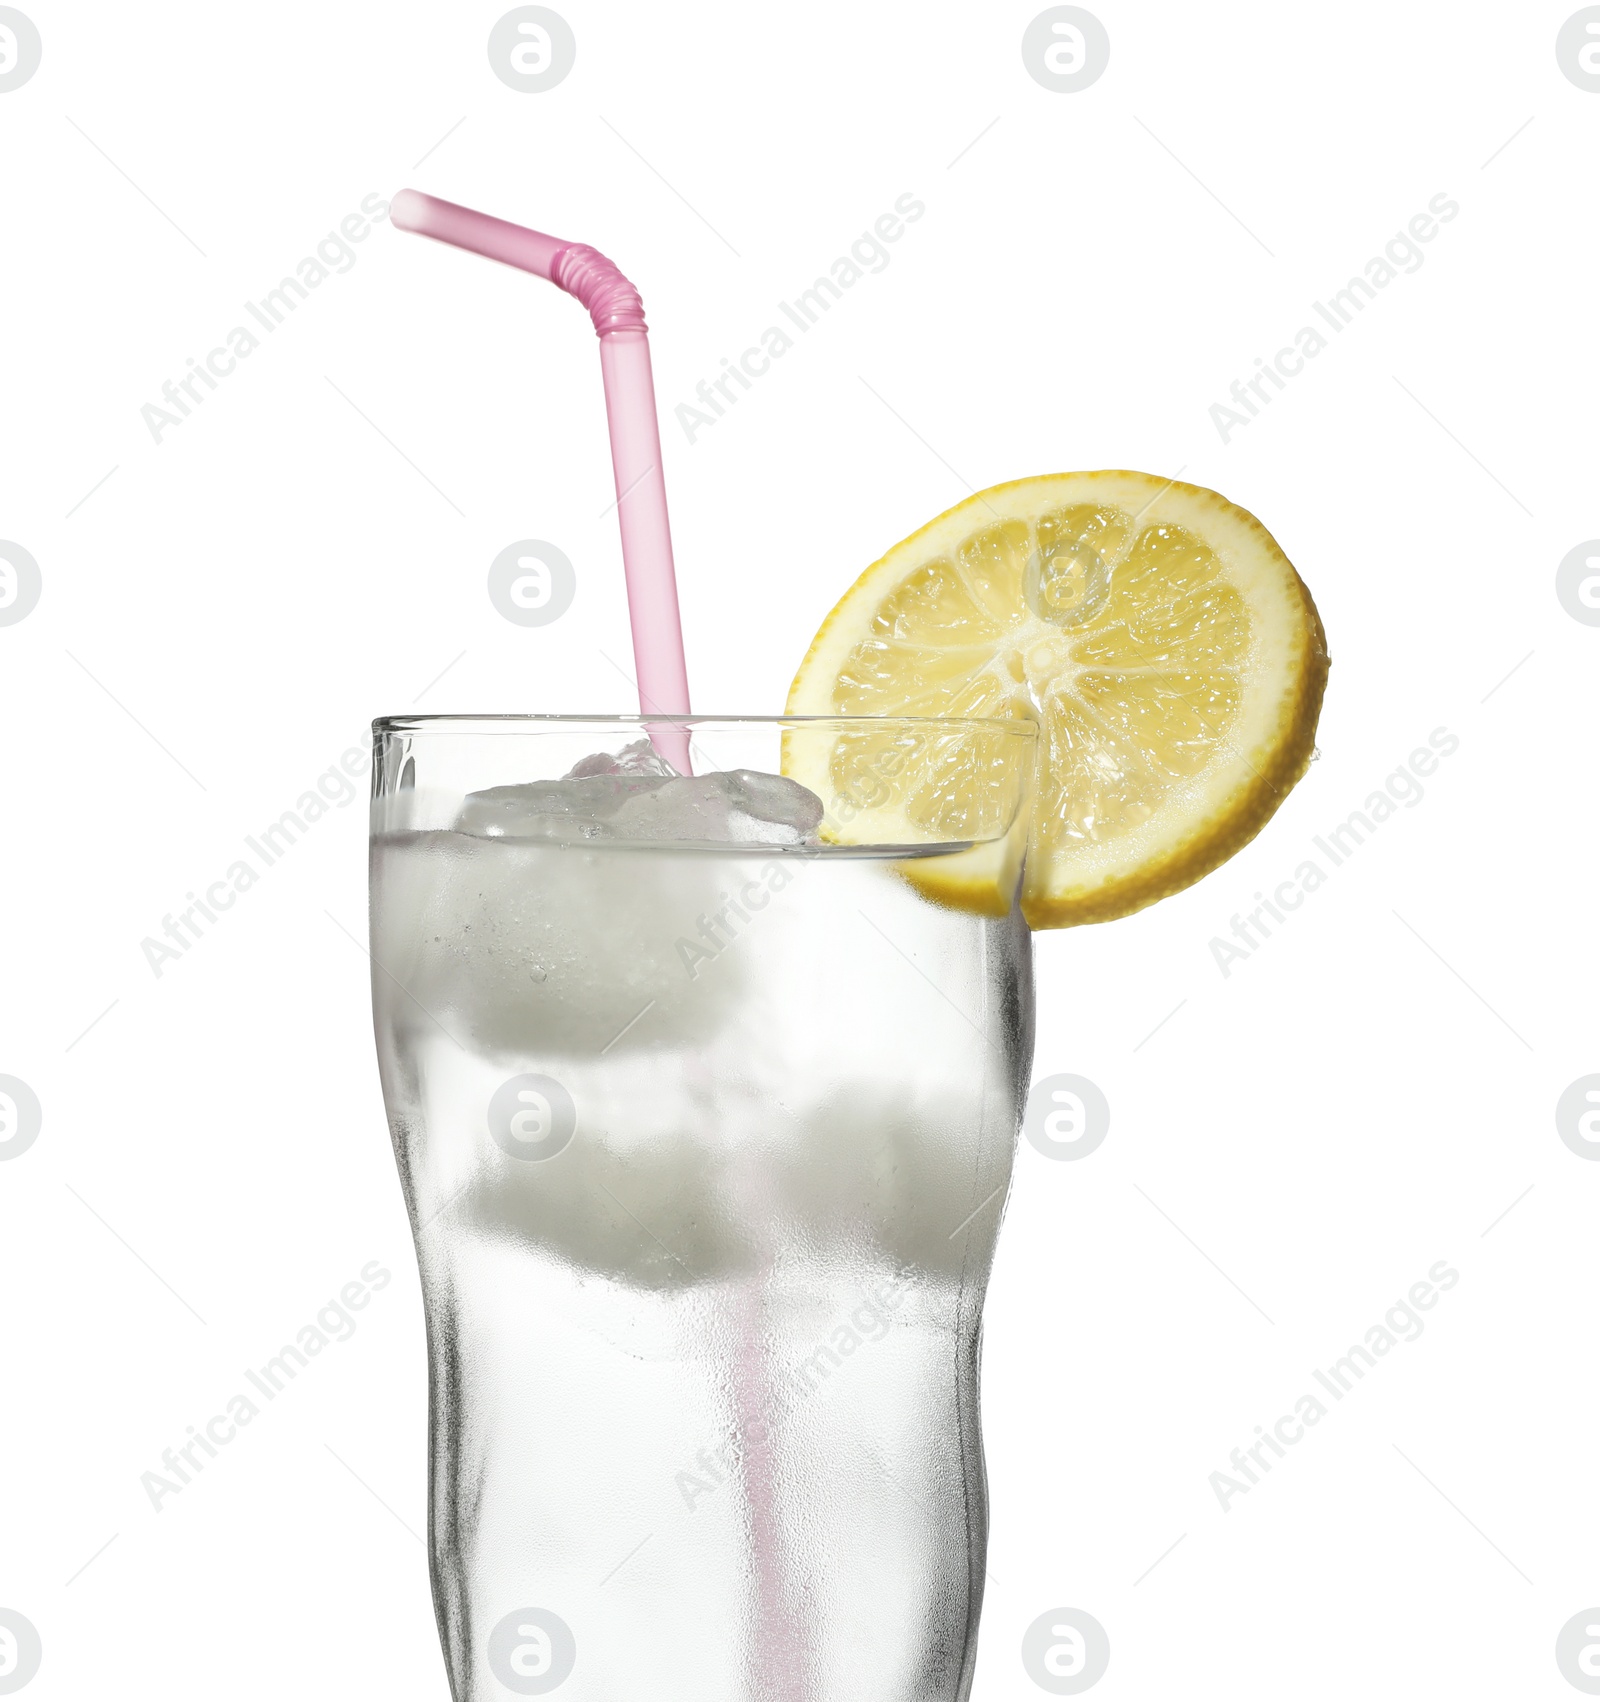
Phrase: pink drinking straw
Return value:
(618, 316)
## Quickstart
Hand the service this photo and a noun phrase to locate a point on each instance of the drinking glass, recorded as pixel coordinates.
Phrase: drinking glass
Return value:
(705, 1147)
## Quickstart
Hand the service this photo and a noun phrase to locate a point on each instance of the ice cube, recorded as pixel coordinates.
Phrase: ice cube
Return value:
(570, 811)
(640, 757)
(781, 802)
(559, 911)
(636, 796)
(522, 949)
(740, 807)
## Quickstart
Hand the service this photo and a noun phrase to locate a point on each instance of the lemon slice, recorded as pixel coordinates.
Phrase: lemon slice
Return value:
(1173, 659)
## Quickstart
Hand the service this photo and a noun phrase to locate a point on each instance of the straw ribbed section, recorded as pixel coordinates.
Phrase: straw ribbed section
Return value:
(613, 303)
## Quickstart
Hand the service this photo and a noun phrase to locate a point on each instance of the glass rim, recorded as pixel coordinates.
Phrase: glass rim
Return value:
(1020, 726)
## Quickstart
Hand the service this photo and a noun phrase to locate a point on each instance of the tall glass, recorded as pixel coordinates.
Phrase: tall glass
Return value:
(705, 1148)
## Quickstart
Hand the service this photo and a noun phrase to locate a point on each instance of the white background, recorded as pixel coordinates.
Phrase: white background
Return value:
(220, 619)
